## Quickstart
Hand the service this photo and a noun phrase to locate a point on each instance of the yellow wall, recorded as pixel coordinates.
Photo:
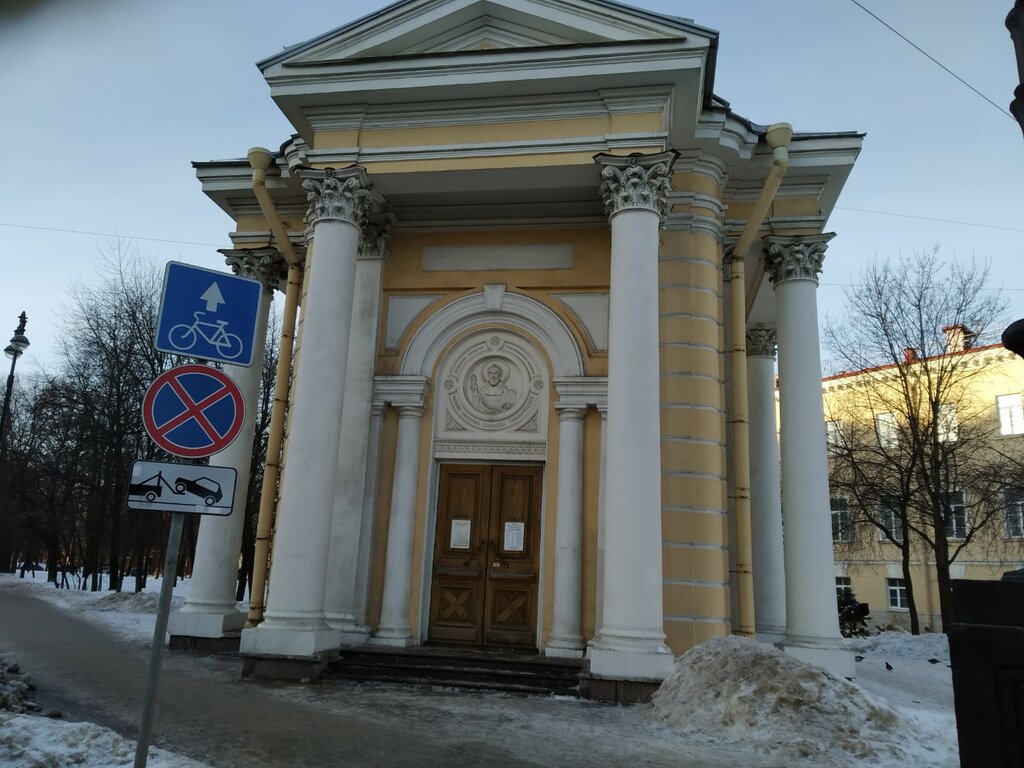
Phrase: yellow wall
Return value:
(991, 371)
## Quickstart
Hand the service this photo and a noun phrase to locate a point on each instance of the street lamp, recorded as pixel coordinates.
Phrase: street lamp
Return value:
(14, 350)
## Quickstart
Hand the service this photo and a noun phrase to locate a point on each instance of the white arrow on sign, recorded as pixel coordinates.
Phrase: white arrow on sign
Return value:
(213, 297)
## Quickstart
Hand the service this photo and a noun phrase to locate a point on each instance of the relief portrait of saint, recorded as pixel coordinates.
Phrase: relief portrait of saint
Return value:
(493, 396)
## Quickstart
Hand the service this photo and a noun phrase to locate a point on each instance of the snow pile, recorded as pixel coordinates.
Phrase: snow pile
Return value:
(733, 689)
(132, 602)
(15, 687)
(903, 645)
(30, 741)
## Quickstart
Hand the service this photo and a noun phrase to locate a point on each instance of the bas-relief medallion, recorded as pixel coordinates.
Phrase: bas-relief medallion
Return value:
(494, 385)
(493, 399)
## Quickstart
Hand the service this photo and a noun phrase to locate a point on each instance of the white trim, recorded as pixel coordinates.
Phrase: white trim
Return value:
(483, 258)
(547, 328)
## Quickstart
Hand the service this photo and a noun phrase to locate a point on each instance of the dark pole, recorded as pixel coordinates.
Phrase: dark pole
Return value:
(1015, 23)
(19, 343)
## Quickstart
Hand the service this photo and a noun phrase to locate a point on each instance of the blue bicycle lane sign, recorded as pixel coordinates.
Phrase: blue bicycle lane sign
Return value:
(208, 314)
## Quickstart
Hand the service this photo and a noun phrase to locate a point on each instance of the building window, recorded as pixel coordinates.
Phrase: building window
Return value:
(1011, 414)
(834, 436)
(956, 515)
(885, 430)
(1013, 512)
(947, 426)
(892, 523)
(897, 590)
(840, 519)
(842, 584)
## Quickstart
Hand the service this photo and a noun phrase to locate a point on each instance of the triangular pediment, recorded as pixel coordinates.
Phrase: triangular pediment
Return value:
(418, 27)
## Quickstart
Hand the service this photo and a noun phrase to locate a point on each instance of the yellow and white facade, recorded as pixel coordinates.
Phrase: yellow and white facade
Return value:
(986, 537)
(535, 246)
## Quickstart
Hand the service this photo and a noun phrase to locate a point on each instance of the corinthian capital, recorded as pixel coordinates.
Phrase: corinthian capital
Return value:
(373, 246)
(263, 264)
(761, 342)
(343, 195)
(795, 258)
(636, 182)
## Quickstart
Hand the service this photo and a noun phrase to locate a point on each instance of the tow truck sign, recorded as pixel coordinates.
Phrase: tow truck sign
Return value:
(164, 486)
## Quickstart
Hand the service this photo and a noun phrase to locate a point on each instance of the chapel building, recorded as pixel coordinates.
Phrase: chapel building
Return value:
(542, 272)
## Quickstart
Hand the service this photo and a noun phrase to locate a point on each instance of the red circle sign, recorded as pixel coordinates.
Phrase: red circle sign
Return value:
(193, 411)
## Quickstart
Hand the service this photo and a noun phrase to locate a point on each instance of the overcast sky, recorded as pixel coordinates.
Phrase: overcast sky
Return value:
(105, 104)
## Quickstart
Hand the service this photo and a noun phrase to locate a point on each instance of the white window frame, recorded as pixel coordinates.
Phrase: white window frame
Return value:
(886, 431)
(896, 595)
(946, 424)
(839, 506)
(834, 436)
(890, 518)
(956, 523)
(1013, 512)
(843, 583)
(1011, 414)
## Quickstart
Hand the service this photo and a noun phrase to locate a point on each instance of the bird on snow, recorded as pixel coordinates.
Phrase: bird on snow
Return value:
(888, 666)
(858, 658)
(934, 661)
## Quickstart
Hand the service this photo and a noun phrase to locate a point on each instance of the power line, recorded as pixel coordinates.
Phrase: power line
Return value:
(929, 218)
(110, 234)
(861, 285)
(932, 58)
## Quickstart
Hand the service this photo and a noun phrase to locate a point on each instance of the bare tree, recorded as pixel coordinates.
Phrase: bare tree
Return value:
(909, 334)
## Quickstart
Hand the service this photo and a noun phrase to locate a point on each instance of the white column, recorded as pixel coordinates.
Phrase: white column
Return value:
(394, 628)
(566, 637)
(343, 560)
(812, 622)
(630, 644)
(765, 500)
(294, 622)
(210, 608)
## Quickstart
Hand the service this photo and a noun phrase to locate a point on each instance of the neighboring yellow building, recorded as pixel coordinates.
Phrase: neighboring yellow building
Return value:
(981, 422)
(533, 245)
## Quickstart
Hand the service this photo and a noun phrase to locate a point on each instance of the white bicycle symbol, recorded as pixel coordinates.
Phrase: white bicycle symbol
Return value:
(184, 337)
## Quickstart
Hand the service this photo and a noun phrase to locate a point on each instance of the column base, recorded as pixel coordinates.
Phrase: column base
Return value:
(395, 638)
(630, 655)
(188, 623)
(350, 632)
(293, 642)
(565, 647)
(831, 655)
(770, 635)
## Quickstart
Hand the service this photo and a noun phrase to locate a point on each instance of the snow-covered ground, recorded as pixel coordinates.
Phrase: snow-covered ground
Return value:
(729, 702)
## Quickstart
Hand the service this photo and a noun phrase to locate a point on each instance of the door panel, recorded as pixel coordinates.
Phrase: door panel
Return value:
(486, 556)
(457, 596)
(511, 612)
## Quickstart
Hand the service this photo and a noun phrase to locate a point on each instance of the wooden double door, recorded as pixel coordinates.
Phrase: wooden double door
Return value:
(486, 556)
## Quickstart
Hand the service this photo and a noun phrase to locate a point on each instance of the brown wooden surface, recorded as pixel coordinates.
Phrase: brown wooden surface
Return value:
(486, 595)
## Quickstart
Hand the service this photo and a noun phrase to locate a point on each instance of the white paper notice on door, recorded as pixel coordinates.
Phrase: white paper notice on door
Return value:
(460, 534)
(515, 533)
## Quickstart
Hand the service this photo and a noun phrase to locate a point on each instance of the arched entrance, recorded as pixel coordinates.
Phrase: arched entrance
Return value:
(493, 362)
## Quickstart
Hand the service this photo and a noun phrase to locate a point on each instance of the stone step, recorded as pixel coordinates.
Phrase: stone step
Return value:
(464, 668)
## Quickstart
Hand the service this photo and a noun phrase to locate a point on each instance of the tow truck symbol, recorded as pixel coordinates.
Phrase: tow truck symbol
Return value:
(205, 488)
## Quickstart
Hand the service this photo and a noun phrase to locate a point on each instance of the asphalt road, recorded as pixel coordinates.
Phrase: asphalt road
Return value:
(205, 711)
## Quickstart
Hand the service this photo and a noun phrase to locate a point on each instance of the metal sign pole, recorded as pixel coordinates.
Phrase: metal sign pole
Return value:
(157, 652)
